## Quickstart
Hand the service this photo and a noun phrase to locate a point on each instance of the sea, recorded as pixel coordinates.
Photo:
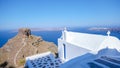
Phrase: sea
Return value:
(53, 35)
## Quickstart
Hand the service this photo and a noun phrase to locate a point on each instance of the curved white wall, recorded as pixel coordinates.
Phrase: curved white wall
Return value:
(110, 42)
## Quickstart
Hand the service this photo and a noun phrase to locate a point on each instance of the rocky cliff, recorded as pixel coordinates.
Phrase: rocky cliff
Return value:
(24, 44)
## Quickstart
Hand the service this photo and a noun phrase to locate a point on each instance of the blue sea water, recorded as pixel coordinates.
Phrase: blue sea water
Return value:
(5, 36)
(51, 36)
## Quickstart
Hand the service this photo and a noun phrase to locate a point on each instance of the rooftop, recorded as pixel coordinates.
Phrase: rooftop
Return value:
(44, 60)
(106, 58)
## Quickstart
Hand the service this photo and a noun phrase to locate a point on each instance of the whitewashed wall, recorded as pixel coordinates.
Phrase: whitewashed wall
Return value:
(72, 51)
(78, 44)
(110, 42)
(60, 49)
(88, 41)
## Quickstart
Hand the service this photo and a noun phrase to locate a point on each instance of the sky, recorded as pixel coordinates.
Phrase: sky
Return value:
(58, 13)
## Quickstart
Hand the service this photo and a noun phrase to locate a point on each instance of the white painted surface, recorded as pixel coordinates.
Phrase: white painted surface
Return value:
(44, 60)
(88, 41)
(82, 61)
(72, 51)
(38, 56)
(78, 44)
(110, 42)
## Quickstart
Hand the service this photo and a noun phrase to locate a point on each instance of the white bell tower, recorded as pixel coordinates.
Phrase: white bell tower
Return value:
(64, 33)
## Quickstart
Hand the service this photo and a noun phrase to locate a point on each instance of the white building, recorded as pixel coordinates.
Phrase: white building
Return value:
(74, 44)
(105, 58)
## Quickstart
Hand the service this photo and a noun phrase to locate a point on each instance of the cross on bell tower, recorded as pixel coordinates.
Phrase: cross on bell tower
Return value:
(108, 33)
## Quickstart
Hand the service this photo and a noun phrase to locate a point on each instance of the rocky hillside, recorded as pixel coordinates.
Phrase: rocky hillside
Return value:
(24, 44)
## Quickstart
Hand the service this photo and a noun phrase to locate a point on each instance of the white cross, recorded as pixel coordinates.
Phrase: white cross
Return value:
(108, 33)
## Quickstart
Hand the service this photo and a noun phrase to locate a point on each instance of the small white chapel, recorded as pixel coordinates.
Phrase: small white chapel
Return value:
(74, 44)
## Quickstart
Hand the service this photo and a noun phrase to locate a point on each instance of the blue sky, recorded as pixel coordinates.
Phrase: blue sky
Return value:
(58, 13)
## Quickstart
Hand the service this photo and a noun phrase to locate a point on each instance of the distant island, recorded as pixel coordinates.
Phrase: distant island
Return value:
(43, 29)
(114, 29)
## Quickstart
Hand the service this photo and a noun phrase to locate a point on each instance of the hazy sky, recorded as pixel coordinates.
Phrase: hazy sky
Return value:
(58, 13)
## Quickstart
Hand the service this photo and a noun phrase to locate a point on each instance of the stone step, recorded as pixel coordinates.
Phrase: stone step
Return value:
(107, 63)
(94, 65)
(110, 59)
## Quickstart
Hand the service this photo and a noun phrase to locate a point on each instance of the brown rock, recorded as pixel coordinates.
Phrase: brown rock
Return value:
(24, 32)
(22, 45)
